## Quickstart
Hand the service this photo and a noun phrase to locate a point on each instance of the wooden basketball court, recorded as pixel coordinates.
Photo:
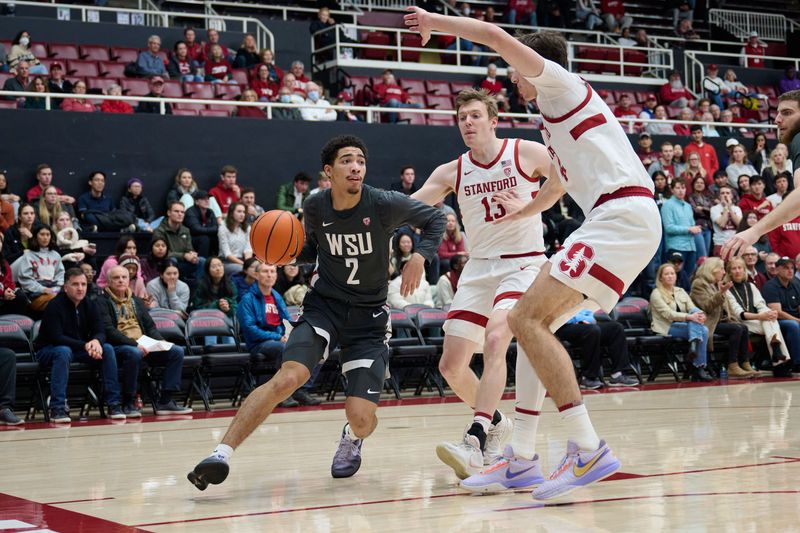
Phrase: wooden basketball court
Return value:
(695, 458)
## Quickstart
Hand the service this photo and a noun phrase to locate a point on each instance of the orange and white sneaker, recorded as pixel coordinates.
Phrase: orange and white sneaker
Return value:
(578, 468)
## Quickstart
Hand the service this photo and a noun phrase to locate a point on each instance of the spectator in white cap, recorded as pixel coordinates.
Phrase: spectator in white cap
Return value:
(753, 52)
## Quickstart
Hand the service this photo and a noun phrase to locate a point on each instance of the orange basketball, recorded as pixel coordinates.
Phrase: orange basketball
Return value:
(277, 237)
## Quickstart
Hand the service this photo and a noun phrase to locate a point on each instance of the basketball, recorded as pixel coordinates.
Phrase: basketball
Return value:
(277, 237)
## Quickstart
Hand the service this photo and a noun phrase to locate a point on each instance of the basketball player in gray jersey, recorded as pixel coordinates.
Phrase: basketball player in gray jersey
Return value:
(348, 229)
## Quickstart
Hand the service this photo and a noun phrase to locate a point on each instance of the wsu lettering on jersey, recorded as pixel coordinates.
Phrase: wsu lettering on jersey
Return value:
(349, 244)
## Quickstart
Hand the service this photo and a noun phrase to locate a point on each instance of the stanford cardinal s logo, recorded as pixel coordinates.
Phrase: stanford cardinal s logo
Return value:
(576, 260)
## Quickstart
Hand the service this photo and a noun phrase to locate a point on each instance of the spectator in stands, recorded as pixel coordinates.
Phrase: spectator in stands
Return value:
(125, 246)
(785, 239)
(656, 128)
(753, 52)
(300, 80)
(215, 290)
(249, 95)
(709, 130)
(182, 66)
(44, 177)
(707, 153)
(244, 280)
(782, 294)
(726, 217)
(646, 154)
(72, 330)
(13, 299)
(755, 200)
(777, 164)
(625, 38)
(683, 281)
(750, 259)
(701, 201)
(21, 53)
(126, 319)
(490, 83)
(770, 268)
(94, 202)
(292, 284)
(234, 238)
(249, 202)
(709, 292)
(448, 282)
(18, 237)
(694, 169)
(115, 106)
(159, 253)
(661, 187)
(584, 331)
(247, 55)
(323, 182)
(515, 103)
(674, 313)
(315, 98)
(402, 250)
(168, 291)
(156, 85)
(677, 217)
(790, 81)
(265, 87)
(746, 302)
(586, 11)
(49, 208)
(390, 94)
(781, 188)
(297, 91)
(193, 49)
(683, 129)
(665, 162)
(40, 272)
(57, 83)
(19, 82)
(179, 242)
(6, 215)
(761, 246)
(217, 67)
(79, 102)
(714, 86)
(759, 154)
(613, 13)
(345, 98)
(6, 194)
(8, 383)
(285, 96)
(226, 191)
(623, 108)
(132, 264)
(674, 94)
(290, 196)
(323, 22)
(522, 12)
(182, 188)
(744, 184)
(267, 58)
(684, 30)
(38, 85)
(739, 165)
(681, 10)
(406, 183)
(135, 202)
(677, 159)
(453, 242)
(422, 295)
(649, 107)
(149, 63)
(213, 39)
(726, 116)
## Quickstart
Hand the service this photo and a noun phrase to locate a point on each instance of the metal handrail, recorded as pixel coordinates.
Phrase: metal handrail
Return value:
(694, 68)
(282, 9)
(369, 110)
(769, 26)
(162, 19)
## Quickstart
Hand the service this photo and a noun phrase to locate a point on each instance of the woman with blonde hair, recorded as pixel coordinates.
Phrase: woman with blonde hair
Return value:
(49, 208)
(709, 290)
(453, 242)
(674, 313)
(777, 164)
(746, 302)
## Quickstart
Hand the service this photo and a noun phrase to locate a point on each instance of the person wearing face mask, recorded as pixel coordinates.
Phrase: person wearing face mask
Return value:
(286, 113)
(316, 114)
(20, 52)
(345, 98)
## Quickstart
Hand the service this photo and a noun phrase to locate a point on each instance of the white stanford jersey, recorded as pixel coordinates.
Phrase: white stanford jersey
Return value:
(475, 185)
(589, 148)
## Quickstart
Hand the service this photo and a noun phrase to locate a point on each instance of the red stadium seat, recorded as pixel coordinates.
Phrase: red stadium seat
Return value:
(412, 118)
(100, 84)
(437, 87)
(439, 102)
(377, 38)
(111, 69)
(227, 91)
(199, 90)
(458, 86)
(673, 112)
(39, 50)
(411, 40)
(633, 56)
(606, 95)
(416, 87)
(77, 67)
(592, 55)
(8, 104)
(240, 75)
(4, 76)
(63, 51)
(188, 105)
(95, 52)
(184, 112)
(49, 63)
(526, 125)
(440, 120)
(173, 89)
(220, 107)
(215, 113)
(134, 87)
(124, 55)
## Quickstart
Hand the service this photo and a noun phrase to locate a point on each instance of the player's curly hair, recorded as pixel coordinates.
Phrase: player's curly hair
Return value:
(549, 44)
(332, 147)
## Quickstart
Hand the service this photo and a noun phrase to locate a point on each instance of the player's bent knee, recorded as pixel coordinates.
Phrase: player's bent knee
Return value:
(289, 379)
(451, 368)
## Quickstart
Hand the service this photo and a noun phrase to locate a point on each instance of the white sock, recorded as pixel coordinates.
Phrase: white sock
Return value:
(530, 394)
(349, 432)
(579, 427)
(222, 451)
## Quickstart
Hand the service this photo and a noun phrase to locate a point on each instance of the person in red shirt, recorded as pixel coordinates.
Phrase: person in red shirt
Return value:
(755, 200)
(521, 12)
(390, 94)
(300, 79)
(785, 239)
(217, 67)
(115, 106)
(266, 89)
(613, 13)
(249, 95)
(226, 191)
(453, 242)
(268, 59)
(44, 177)
(194, 49)
(753, 52)
(213, 38)
(674, 94)
(708, 156)
(490, 82)
(645, 152)
(624, 109)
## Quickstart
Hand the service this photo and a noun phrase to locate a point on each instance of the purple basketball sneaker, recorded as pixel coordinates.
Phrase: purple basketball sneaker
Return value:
(578, 468)
(347, 459)
(507, 473)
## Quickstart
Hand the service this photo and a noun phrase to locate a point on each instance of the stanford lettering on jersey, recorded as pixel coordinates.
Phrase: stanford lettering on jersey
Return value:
(490, 187)
(349, 244)
(791, 226)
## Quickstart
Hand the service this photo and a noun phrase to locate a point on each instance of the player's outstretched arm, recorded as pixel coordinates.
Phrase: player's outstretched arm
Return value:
(527, 62)
(439, 184)
(550, 193)
(788, 210)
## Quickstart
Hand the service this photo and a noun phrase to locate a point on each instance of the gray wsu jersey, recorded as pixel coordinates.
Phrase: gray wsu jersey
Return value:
(352, 247)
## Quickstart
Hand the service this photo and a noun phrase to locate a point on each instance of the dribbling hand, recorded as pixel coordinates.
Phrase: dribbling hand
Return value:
(737, 244)
(418, 20)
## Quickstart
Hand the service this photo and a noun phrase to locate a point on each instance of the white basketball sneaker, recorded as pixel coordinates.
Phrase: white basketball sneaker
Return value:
(465, 457)
(499, 435)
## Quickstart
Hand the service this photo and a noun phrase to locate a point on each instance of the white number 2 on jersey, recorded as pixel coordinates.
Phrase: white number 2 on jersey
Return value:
(352, 264)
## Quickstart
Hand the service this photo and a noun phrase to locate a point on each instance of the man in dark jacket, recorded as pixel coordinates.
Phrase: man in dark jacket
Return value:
(290, 196)
(202, 225)
(179, 241)
(156, 91)
(126, 319)
(72, 330)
